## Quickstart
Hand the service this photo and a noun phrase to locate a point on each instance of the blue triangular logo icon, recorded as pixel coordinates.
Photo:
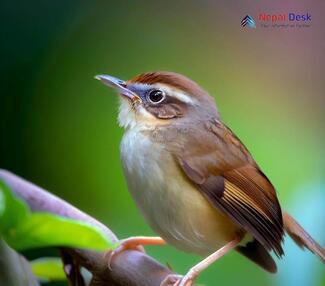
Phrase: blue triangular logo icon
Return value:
(248, 21)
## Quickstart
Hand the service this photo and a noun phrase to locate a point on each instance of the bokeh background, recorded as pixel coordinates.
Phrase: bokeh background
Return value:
(58, 125)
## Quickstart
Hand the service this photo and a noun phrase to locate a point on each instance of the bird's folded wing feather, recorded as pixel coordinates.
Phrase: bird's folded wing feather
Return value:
(228, 177)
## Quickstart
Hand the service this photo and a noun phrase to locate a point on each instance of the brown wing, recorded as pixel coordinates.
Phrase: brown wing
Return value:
(228, 176)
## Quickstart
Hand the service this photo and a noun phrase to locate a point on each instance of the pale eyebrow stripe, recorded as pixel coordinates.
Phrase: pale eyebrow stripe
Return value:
(180, 95)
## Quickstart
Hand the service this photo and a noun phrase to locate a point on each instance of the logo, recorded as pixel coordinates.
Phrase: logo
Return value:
(248, 21)
(278, 20)
(291, 17)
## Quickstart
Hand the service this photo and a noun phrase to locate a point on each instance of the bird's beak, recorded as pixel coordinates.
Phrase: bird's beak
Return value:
(119, 85)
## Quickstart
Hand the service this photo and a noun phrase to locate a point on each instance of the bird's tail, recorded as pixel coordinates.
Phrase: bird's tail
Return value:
(301, 237)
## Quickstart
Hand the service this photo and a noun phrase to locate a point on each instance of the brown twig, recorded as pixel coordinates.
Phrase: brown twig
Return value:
(129, 268)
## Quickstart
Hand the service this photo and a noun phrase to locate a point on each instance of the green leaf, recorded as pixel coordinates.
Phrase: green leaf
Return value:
(2, 202)
(24, 230)
(13, 211)
(48, 269)
(44, 229)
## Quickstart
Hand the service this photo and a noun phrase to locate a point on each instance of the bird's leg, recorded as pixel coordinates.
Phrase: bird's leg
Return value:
(133, 242)
(194, 272)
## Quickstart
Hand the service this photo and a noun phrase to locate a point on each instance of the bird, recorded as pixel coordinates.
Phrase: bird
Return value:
(194, 181)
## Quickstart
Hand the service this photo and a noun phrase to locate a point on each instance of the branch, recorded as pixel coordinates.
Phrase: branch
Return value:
(15, 269)
(129, 268)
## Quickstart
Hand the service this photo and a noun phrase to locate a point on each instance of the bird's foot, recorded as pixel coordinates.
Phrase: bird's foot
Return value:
(179, 280)
(135, 243)
(171, 280)
(193, 273)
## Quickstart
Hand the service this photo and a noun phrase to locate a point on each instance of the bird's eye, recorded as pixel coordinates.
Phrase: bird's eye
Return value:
(156, 96)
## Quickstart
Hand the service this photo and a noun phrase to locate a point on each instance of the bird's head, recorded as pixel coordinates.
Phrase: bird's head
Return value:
(160, 98)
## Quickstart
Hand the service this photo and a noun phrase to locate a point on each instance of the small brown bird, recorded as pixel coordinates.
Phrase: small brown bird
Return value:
(194, 181)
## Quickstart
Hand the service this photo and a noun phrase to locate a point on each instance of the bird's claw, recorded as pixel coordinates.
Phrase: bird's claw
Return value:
(179, 280)
(125, 245)
(171, 280)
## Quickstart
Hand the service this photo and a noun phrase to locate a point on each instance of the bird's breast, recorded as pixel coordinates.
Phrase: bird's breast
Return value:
(171, 204)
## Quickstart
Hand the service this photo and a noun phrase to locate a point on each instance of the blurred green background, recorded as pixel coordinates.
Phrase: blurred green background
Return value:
(58, 125)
